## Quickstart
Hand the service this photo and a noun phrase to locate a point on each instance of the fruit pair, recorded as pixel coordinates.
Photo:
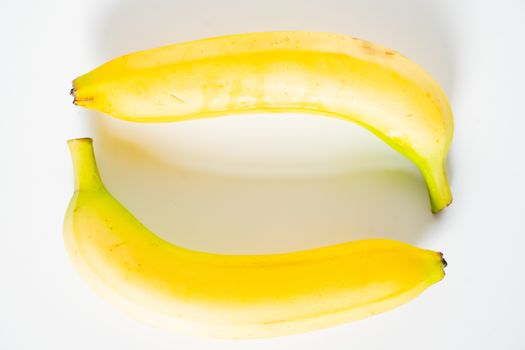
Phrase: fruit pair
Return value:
(257, 295)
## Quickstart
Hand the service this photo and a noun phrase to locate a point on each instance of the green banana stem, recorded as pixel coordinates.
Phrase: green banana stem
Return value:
(435, 176)
(87, 177)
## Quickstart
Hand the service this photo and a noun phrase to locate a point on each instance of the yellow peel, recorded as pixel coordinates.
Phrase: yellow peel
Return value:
(232, 296)
(320, 73)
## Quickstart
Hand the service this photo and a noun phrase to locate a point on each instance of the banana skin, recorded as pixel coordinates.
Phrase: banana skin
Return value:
(231, 296)
(320, 73)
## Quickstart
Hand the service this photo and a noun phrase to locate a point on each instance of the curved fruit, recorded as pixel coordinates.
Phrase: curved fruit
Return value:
(321, 73)
(232, 296)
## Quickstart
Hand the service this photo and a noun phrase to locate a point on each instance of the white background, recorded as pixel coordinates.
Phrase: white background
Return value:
(265, 183)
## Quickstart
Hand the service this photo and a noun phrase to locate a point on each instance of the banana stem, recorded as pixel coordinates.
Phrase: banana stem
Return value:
(435, 176)
(87, 177)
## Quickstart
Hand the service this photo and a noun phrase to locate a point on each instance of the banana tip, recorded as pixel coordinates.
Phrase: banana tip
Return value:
(443, 261)
(72, 93)
(80, 101)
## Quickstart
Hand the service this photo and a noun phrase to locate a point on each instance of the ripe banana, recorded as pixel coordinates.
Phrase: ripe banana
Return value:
(232, 296)
(329, 74)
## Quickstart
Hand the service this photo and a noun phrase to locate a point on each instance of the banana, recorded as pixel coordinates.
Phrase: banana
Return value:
(327, 74)
(232, 296)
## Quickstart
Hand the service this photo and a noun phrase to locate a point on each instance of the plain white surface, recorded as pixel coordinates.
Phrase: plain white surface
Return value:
(265, 183)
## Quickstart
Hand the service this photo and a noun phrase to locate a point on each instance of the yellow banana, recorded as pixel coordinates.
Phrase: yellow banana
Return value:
(232, 296)
(321, 73)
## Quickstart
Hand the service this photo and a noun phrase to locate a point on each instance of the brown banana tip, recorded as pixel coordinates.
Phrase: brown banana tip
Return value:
(82, 100)
(72, 93)
(443, 261)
